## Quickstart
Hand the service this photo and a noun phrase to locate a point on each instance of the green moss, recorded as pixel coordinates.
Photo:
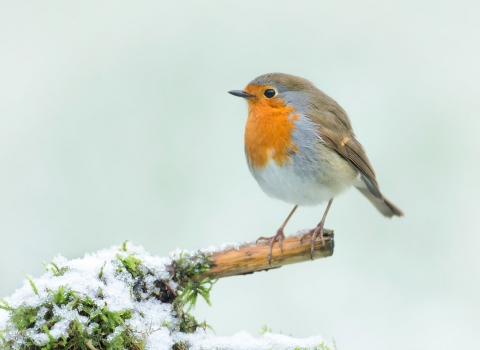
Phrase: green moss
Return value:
(131, 264)
(180, 346)
(31, 283)
(95, 325)
(24, 317)
(101, 322)
(190, 291)
(3, 340)
(187, 269)
(54, 269)
(100, 274)
(188, 266)
(124, 246)
(265, 329)
(4, 305)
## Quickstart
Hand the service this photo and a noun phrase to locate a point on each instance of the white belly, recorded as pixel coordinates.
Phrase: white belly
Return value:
(306, 181)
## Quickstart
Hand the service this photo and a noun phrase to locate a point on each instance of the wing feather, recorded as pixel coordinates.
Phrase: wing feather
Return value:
(350, 149)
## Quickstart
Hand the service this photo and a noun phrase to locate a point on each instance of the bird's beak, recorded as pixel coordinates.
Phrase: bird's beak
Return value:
(240, 93)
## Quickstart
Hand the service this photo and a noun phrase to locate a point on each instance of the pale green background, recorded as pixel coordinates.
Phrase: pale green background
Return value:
(115, 124)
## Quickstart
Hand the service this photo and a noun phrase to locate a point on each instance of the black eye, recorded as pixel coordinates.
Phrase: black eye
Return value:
(269, 93)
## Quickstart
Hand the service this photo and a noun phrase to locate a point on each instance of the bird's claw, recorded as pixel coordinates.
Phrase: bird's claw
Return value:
(314, 232)
(279, 236)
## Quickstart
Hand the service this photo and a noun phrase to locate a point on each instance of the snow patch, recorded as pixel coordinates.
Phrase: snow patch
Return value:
(100, 277)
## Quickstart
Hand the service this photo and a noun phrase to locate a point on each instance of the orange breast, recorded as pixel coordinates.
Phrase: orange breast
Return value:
(268, 133)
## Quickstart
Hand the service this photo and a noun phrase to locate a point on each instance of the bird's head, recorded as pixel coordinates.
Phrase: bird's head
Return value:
(277, 90)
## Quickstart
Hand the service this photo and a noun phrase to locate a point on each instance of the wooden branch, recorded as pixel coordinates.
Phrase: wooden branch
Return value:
(251, 257)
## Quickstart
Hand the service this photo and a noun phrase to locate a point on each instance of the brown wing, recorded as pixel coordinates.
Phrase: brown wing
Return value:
(350, 149)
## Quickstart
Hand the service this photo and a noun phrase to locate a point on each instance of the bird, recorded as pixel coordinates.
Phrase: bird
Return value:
(300, 148)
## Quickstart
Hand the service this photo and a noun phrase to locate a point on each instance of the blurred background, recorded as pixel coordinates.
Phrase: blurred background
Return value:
(115, 124)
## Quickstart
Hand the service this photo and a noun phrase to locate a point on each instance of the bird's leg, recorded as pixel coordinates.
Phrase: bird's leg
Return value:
(317, 231)
(278, 236)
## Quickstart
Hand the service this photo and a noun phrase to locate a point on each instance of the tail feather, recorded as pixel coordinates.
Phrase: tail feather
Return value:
(384, 206)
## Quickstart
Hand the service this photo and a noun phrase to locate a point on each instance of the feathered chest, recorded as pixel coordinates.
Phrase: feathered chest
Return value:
(268, 135)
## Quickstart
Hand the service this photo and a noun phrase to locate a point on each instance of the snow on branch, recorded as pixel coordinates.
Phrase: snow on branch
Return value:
(124, 298)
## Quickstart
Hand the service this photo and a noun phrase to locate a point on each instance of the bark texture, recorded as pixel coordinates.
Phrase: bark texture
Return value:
(251, 257)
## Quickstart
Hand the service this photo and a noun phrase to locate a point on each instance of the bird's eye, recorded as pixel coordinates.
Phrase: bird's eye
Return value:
(269, 93)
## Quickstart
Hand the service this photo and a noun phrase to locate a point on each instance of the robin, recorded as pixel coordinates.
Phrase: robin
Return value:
(300, 147)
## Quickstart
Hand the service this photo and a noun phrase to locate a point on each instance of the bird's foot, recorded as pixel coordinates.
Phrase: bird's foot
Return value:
(317, 231)
(279, 236)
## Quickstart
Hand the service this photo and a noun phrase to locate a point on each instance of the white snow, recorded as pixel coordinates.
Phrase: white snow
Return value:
(150, 317)
(245, 341)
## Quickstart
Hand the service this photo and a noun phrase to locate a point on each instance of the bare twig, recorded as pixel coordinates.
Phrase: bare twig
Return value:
(251, 257)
